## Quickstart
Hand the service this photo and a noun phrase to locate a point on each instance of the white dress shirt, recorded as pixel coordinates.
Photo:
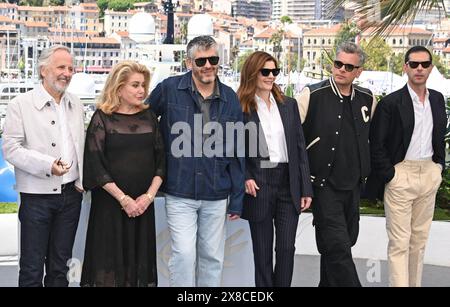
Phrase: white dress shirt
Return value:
(68, 154)
(273, 129)
(421, 147)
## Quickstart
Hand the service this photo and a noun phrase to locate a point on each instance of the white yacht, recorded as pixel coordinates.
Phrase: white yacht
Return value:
(9, 90)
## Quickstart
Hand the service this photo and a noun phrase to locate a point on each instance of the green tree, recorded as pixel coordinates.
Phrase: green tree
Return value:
(56, 2)
(234, 55)
(285, 20)
(293, 60)
(289, 91)
(276, 40)
(376, 51)
(302, 63)
(242, 59)
(120, 5)
(102, 5)
(443, 69)
(396, 63)
(390, 12)
(348, 32)
(32, 2)
(184, 32)
(21, 64)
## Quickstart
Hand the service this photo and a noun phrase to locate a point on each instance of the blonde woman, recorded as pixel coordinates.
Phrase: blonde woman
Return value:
(124, 169)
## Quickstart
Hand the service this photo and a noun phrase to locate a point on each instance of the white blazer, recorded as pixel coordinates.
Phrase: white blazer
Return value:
(31, 140)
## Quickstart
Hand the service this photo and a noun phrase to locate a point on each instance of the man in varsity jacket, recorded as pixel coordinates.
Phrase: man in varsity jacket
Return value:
(336, 115)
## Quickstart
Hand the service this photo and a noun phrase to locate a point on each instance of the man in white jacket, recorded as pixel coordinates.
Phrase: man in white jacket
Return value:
(43, 139)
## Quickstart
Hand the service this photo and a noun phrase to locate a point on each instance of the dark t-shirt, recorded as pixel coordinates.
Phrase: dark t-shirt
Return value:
(346, 170)
(204, 103)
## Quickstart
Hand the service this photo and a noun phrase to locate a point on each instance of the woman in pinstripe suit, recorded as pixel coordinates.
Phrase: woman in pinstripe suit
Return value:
(277, 183)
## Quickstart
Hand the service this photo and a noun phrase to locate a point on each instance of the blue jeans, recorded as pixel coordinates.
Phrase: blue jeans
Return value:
(197, 230)
(48, 224)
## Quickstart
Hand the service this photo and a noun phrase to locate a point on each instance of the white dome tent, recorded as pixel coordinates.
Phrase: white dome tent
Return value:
(380, 82)
(142, 28)
(198, 25)
(82, 85)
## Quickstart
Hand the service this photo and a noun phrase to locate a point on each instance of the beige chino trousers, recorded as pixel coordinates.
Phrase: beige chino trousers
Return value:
(409, 200)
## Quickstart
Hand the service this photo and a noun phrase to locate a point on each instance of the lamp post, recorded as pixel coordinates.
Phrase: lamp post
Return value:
(85, 52)
(299, 48)
(169, 10)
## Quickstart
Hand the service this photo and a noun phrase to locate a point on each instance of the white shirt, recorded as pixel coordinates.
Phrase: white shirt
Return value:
(421, 147)
(68, 154)
(273, 129)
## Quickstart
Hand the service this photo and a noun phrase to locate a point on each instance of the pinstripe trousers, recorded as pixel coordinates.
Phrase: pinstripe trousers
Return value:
(284, 217)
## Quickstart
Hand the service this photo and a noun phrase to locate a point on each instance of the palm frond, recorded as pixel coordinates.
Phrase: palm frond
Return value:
(381, 16)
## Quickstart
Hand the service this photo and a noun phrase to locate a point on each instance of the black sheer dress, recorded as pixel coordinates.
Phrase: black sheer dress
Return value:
(128, 150)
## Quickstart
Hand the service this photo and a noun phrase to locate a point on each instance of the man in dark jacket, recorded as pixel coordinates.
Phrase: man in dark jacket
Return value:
(408, 155)
(203, 167)
(336, 118)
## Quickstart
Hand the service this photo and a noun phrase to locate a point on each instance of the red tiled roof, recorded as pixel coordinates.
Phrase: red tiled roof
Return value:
(5, 19)
(247, 43)
(36, 24)
(64, 30)
(333, 30)
(91, 40)
(7, 28)
(399, 30)
(184, 14)
(123, 33)
(103, 40)
(7, 5)
(35, 8)
(93, 5)
(266, 33)
(440, 39)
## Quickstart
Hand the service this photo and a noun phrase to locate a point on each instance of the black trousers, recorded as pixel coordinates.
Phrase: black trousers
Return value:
(285, 219)
(336, 220)
(48, 224)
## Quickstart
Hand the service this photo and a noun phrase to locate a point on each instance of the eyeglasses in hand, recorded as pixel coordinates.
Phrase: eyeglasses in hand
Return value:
(60, 163)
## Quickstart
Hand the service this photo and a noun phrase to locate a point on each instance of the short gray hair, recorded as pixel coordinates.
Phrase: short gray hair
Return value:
(352, 48)
(46, 54)
(203, 42)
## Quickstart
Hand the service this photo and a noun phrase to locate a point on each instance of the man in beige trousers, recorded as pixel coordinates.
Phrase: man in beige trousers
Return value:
(407, 157)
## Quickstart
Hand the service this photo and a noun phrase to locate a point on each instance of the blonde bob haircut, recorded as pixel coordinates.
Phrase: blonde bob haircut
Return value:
(109, 101)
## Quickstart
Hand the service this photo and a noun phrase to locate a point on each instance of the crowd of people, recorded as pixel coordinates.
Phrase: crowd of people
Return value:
(215, 154)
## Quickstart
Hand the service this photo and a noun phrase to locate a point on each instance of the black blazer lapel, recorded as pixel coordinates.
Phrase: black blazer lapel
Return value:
(406, 110)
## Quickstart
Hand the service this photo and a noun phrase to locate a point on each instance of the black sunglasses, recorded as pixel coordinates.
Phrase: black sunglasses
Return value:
(213, 60)
(348, 67)
(266, 71)
(414, 64)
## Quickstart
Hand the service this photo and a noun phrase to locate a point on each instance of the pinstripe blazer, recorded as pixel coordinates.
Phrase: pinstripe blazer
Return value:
(256, 208)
